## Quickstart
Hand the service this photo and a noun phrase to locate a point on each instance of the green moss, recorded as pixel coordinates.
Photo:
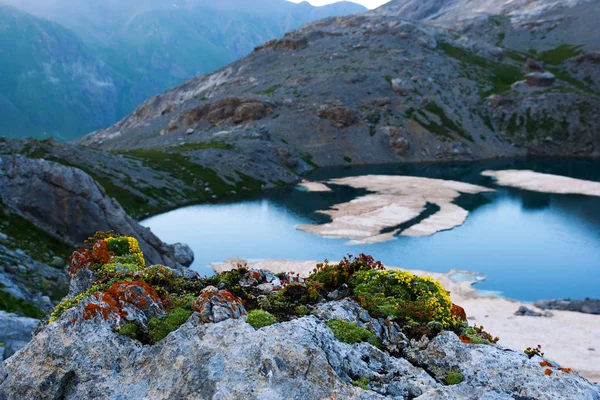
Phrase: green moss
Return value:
(362, 383)
(512, 125)
(34, 241)
(454, 378)
(302, 310)
(488, 122)
(159, 328)
(129, 330)
(563, 75)
(349, 332)
(308, 158)
(260, 318)
(560, 54)
(120, 246)
(348, 159)
(125, 259)
(277, 303)
(447, 123)
(499, 76)
(12, 304)
(202, 146)
(246, 182)
(270, 91)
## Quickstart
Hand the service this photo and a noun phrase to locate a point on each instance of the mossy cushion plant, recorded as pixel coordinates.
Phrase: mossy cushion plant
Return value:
(159, 328)
(362, 383)
(400, 294)
(349, 332)
(454, 378)
(260, 318)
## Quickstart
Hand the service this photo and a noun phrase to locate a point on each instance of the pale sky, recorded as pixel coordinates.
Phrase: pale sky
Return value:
(367, 3)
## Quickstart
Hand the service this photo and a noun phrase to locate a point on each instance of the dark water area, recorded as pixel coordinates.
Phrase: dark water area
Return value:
(529, 245)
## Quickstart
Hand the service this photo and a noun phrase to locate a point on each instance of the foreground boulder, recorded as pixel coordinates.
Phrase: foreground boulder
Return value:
(77, 358)
(351, 330)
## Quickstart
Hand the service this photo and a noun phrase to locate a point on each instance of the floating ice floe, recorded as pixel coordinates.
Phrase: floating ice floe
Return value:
(310, 186)
(546, 183)
(394, 201)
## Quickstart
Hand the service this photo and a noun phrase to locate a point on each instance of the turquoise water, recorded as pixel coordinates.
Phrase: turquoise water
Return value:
(529, 245)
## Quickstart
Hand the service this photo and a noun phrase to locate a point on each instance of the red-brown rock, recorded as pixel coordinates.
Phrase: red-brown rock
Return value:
(218, 305)
(459, 313)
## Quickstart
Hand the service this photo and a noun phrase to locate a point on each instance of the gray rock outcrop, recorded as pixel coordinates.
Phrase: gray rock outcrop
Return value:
(15, 333)
(587, 306)
(76, 358)
(69, 203)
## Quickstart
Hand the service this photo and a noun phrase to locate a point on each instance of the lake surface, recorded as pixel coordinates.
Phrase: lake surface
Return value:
(529, 245)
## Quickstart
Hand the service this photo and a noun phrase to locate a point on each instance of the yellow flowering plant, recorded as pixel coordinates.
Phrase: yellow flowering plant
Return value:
(403, 295)
(126, 245)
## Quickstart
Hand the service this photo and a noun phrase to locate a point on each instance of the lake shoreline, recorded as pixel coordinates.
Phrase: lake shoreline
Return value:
(567, 337)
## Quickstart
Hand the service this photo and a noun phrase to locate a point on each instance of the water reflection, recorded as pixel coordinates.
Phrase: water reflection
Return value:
(529, 245)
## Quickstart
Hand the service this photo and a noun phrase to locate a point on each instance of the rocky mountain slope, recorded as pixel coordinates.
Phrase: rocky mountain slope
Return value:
(47, 78)
(374, 87)
(265, 336)
(88, 72)
(46, 209)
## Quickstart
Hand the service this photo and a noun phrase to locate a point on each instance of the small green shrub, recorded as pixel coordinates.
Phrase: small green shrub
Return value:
(362, 383)
(476, 335)
(129, 330)
(159, 328)
(454, 378)
(277, 303)
(260, 318)
(400, 294)
(534, 351)
(302, 310)
(332, 276)
(120, 246)
(184, 301)
(125, 259)
(349, 332)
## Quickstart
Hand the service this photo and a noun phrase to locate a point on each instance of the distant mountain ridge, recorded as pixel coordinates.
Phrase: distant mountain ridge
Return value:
(134, 49)
(496, 79)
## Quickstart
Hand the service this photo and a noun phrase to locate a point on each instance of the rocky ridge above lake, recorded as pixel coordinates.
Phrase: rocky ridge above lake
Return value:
(378, 87)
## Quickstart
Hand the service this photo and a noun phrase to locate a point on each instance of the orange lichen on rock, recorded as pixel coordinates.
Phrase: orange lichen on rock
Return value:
(566, 370)
(548, 371)
(100, 252)
(465, 339)
(120, 295)
(546, 364)
(91, 310)
(139, 294)
(80, 259)
(459, 313)
(255, 274)
(217, 305)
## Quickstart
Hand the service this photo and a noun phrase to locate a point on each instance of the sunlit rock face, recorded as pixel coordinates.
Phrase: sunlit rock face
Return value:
(424, 205)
